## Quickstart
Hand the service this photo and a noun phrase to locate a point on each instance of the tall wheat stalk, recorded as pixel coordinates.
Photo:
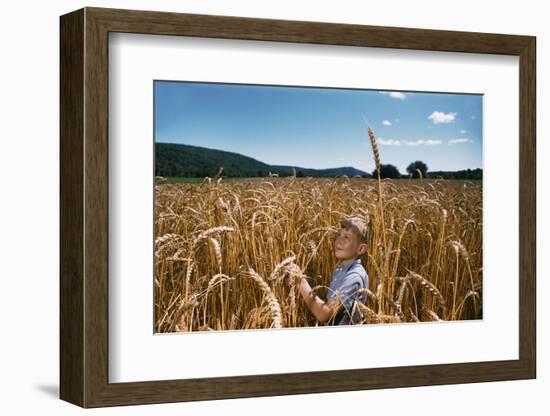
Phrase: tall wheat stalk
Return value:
(376, 155)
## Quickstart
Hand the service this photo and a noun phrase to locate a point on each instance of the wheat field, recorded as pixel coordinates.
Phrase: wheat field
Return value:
(226, 250)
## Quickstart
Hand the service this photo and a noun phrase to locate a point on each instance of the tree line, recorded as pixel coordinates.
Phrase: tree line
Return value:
(179, 160)
(419, 169)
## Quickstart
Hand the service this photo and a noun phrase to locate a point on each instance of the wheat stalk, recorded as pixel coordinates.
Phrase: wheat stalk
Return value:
(280, 266)
(426, 284)
(217, 250)
(272, 301)
(374, 150)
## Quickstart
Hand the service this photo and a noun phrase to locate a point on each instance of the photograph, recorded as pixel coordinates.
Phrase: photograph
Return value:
(300, 206)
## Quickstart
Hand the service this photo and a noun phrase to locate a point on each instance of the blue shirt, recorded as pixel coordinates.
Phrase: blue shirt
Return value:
(346, 282)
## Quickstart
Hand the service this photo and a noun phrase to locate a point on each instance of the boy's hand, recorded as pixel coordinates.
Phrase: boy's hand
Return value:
(333, 304)
(295, 272)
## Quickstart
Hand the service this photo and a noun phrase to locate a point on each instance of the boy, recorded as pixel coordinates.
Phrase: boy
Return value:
(348, 278)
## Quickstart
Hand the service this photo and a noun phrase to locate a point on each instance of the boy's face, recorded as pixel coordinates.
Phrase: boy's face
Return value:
(347, 245)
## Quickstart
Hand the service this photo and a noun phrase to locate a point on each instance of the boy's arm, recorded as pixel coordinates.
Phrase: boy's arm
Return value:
(322, 310)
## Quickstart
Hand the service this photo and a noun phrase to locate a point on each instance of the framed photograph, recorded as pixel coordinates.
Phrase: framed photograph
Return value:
(255, 207)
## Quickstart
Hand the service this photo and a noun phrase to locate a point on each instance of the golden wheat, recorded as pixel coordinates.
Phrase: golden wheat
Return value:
(272, 301)
(424, 257)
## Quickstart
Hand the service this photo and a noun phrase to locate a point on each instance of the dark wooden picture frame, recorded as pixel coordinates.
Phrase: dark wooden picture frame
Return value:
(84, 207)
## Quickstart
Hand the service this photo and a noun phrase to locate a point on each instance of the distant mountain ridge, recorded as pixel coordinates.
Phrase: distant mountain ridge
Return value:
(182, 160)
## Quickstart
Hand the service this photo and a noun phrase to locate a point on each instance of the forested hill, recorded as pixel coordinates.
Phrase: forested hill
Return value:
(181, 160)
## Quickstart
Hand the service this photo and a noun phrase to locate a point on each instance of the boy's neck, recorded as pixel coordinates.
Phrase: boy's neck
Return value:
(347, 262)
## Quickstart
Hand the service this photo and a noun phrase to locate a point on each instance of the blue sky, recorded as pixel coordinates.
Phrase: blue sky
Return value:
(322, 127)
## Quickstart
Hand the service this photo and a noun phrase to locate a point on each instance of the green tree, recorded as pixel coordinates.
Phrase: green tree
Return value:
(416, 166)
(387, 171)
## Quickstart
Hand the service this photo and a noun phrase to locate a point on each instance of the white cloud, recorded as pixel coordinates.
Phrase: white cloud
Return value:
(440, 117)
(462, 131)
(386, 122)
(420, 142)
(398, 95)
(389, 142)
(461, 140)
(395, 94)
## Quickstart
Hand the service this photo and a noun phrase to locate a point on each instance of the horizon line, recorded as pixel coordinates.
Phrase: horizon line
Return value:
(301, 167)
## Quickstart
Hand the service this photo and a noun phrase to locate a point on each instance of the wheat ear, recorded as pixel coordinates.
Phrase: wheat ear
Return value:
(272, 301)
(374, 150)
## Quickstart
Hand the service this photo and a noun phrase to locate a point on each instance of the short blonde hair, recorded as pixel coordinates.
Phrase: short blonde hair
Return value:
(358, 226)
